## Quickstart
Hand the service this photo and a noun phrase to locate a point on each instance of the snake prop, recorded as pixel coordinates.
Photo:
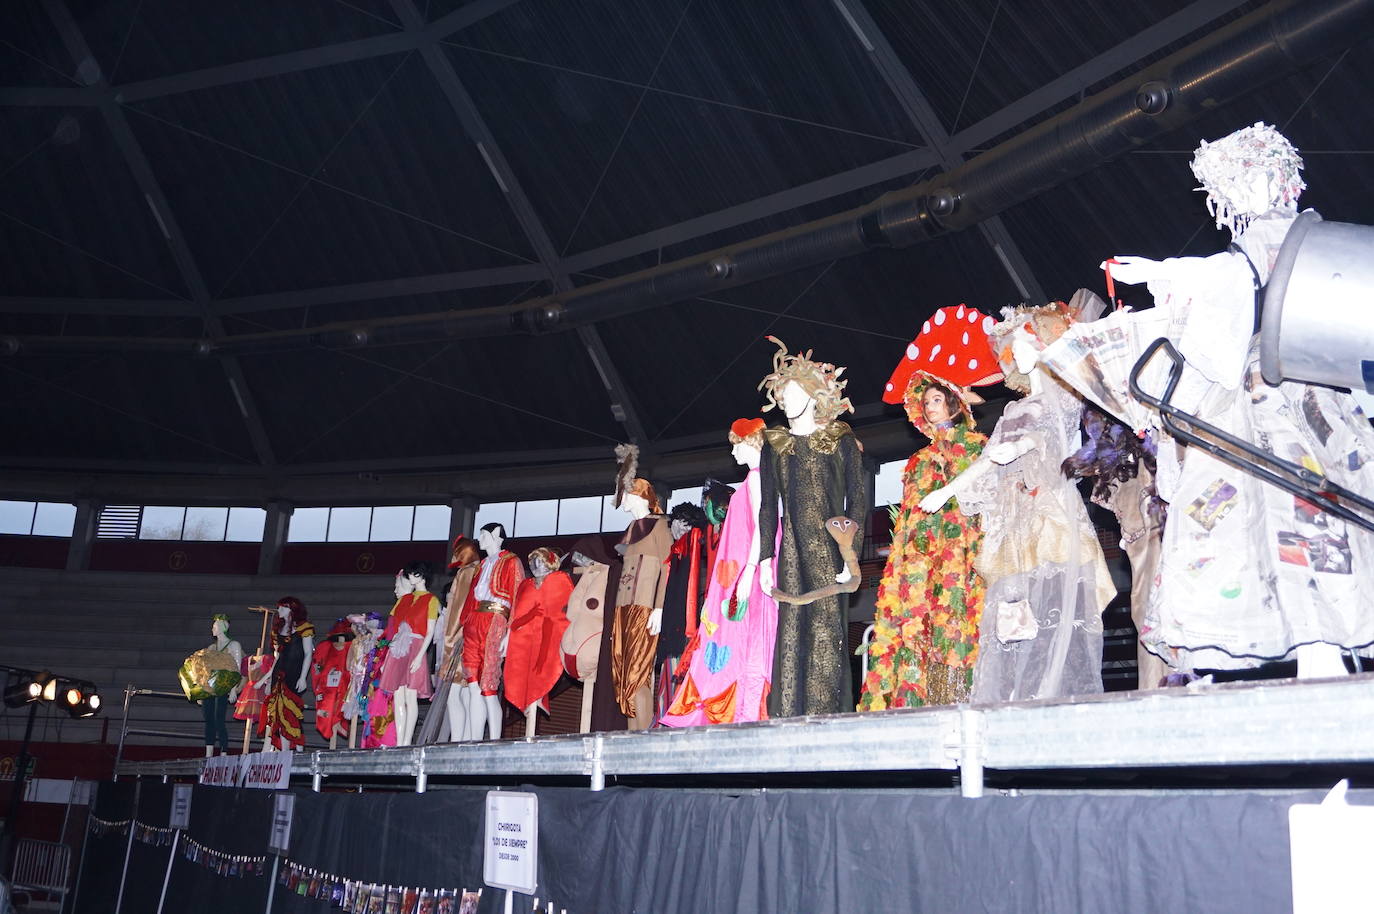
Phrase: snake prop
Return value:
(842, 530)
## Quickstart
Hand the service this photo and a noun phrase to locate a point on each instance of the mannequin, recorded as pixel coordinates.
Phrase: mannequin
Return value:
(1047, 581)
(930, 598)
(809, 472)
(639, 603)
(409, 631)
(536, 629)
(487, 612)
(682, 599)
(214, 709)
(587, 605)
(450, 703)
(363, 670)
(1249, 572)
(293, 640)
(728, 674)
(329, 678)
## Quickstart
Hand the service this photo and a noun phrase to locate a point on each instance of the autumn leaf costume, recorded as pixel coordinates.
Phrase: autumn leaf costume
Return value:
(930, 599)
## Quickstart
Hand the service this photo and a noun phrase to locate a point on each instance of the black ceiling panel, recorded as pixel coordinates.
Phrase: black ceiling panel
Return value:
(150, 38)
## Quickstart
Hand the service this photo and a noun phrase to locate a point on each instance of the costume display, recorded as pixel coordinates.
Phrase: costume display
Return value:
(364, 669)
(729, 671)
(329, 679)
(487, 620)
(257, 677)
(639, 603)
(293, 640)
(810, 472)
(1047, 580)
(1250, 572)
(585, 645)
(687, 578)
(409, 631)
(930, 598)
(533, 659)
(212, 676)
(450, 701)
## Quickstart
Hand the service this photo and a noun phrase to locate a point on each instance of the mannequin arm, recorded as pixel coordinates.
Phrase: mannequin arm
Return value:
(235, 650)
(746, 576)
(308, 645)
(999, 454)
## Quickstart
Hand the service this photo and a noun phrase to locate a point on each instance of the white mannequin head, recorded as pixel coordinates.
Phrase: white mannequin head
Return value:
(746, 455)
(543, 562)
(581, 561)
(636, 505)
(677, 527)
(1024, 352)
(402, 586)
(797, 405)
(219, 627)
(283, 612)
(490, 538)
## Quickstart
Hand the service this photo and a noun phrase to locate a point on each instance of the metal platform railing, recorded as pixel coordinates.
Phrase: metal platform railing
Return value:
(130, 693)
(1276, 722)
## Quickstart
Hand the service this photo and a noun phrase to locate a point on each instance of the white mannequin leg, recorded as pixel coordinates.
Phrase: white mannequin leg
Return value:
(588, 685)
(458, 712)
(477, 712)
(493, 715)
(530, 714)
(1320, 661)
(406, 707)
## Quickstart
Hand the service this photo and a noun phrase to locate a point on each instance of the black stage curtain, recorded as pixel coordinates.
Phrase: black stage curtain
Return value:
(661, 851)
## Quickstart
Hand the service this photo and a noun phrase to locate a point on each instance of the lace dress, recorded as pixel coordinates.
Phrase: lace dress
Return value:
(1047, 580)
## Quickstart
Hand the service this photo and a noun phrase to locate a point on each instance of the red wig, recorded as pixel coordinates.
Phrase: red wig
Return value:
(297, 616)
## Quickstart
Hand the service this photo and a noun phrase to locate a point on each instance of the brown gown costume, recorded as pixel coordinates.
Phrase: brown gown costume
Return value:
(816, 476)
(643, 583)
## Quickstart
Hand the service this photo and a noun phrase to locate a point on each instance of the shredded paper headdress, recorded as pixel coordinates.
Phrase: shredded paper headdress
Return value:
(1223, 168)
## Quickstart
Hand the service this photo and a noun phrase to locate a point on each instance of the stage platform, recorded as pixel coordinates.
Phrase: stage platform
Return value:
(1239, 725)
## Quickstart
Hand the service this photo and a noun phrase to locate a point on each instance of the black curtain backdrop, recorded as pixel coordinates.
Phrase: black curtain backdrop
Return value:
(662, 851)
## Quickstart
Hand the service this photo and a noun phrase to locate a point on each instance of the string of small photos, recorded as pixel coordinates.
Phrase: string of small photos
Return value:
(101, 827)
(221, 864)
(355, 896)
(217, 862)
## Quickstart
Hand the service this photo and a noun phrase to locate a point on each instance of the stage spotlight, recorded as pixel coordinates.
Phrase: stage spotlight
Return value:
(49, 686)
(81, 699)
(17, 689)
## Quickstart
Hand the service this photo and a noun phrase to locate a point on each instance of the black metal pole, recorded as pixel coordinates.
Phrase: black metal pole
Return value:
(21, 771)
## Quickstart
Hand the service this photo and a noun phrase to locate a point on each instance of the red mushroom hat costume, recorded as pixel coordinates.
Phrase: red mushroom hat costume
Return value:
(930, 600)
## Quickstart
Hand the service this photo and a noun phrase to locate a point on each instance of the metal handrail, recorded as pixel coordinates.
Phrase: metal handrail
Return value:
(130, 692)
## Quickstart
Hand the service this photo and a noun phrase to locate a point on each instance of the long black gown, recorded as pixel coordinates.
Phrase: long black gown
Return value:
(816, 477)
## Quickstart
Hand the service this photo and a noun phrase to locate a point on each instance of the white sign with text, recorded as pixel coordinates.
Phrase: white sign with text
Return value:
(511, 850)
(262, 770)
(181, 807)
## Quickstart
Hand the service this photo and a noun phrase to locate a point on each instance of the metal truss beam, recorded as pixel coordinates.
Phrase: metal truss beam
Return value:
(923, 117)
(153, 307)
(118, 124)
(477, 130)
(384, 288)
